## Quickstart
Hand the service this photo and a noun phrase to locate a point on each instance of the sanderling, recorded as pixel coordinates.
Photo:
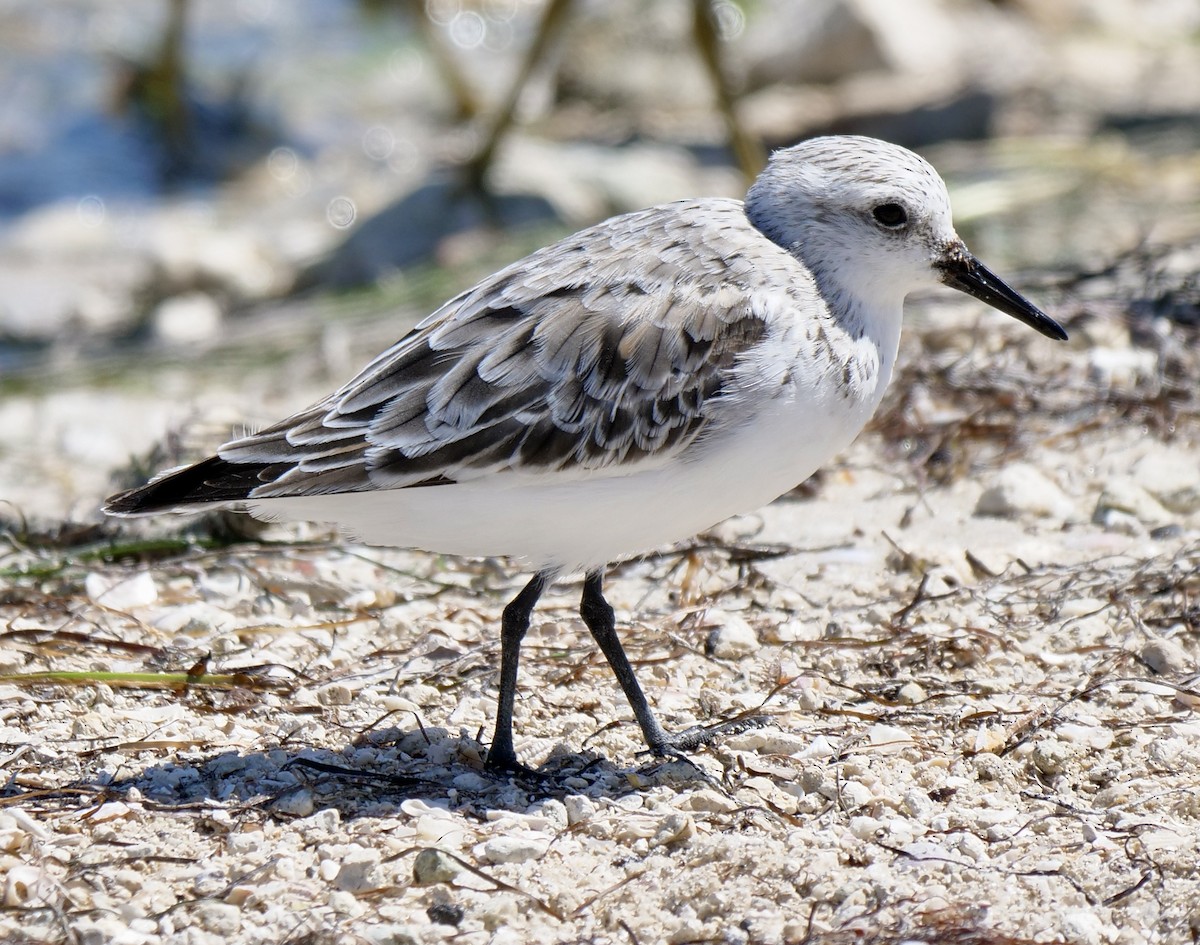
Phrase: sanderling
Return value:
(627, 387)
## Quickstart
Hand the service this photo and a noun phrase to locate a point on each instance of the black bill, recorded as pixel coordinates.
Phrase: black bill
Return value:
(962, 271)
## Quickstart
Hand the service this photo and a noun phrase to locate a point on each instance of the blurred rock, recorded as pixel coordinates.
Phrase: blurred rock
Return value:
(121, 592)
(1022, 489)
(534, 182)
(1166, 657)
(196, 248)
(412, 229)
(1122, 368)
(187, 319)
(1128, 497)
(49, 297)
(1170, 475)
(825, 40)
(734, 637)
(587, 182)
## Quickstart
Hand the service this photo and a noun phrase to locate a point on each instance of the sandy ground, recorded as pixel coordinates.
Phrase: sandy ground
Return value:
(975, 637)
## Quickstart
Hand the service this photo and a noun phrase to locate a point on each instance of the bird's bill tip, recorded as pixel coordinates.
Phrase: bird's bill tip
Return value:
(961, 270)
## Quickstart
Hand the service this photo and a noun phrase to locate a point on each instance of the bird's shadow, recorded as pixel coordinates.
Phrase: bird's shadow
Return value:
(367, 779)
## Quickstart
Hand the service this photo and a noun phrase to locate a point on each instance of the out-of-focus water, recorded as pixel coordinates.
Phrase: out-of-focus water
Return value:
(65, 131)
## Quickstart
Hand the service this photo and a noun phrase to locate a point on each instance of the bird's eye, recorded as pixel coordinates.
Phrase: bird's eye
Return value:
(891, 215)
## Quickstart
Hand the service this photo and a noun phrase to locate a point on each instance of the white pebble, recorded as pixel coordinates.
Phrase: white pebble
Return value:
(1095, 737)
(1121, 367)
(855, 794)
(1022, 489)
(298, 803)
(121, 591)
(1125, 495)
(1085, 927)
(1052, 756)
(187, 319)
(335, 694)
(888, 739)
(579, 808)
(767, 741)
(733, 636)
(674, 828)
(1170, 476)
(22, 885)
(218, 917)
(1166, 657)
(911, 693)
(708, 801)
(359, 870)
(865, 828)
(512, 849)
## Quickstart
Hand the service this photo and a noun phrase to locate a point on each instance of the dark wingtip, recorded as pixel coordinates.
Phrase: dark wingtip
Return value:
(212, 481)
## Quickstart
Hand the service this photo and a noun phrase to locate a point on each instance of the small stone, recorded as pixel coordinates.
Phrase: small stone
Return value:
(579, 808)
(1022, 489)
(359, 870)
(767, 741)
(1120, 523)
(392, 935)
(855, 794)
(328, 870)
(498, 911)
(220, 918)
(794, 630)
(866, 828)
(989, 739)
(1092, 737)
(335, 694)
(513, 849)
(674, 828)
(1126, 496)
(121, 591)
(1086, 928)
(887, 739)
(345, 903)
(1166, 657)
(1053, 757)
(1122, 367)
(911, 693)
(918, 804)
(970, 846)
(732, 638)
(113, 810)
(708, 801)
(433, 866)
(296, 803)
(23, 885)
(187, 319)
(1170, 476)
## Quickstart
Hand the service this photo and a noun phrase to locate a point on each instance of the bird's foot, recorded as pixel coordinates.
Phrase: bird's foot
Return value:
(504, 765)
(676, 746)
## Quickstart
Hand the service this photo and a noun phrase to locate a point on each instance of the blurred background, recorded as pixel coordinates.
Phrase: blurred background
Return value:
(213, 210)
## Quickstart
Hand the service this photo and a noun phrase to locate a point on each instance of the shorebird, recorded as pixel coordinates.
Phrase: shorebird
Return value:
(626, 387)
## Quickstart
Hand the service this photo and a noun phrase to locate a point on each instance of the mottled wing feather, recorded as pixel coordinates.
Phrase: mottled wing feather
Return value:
(594, 354)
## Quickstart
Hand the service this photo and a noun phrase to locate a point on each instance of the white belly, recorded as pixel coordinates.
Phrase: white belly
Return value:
(586, 522)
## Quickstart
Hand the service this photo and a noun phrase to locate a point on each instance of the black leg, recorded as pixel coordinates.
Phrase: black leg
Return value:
(601, 621)
(502, 756)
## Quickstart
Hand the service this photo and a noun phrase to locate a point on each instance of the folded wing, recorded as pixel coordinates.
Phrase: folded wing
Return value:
(598, 355)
